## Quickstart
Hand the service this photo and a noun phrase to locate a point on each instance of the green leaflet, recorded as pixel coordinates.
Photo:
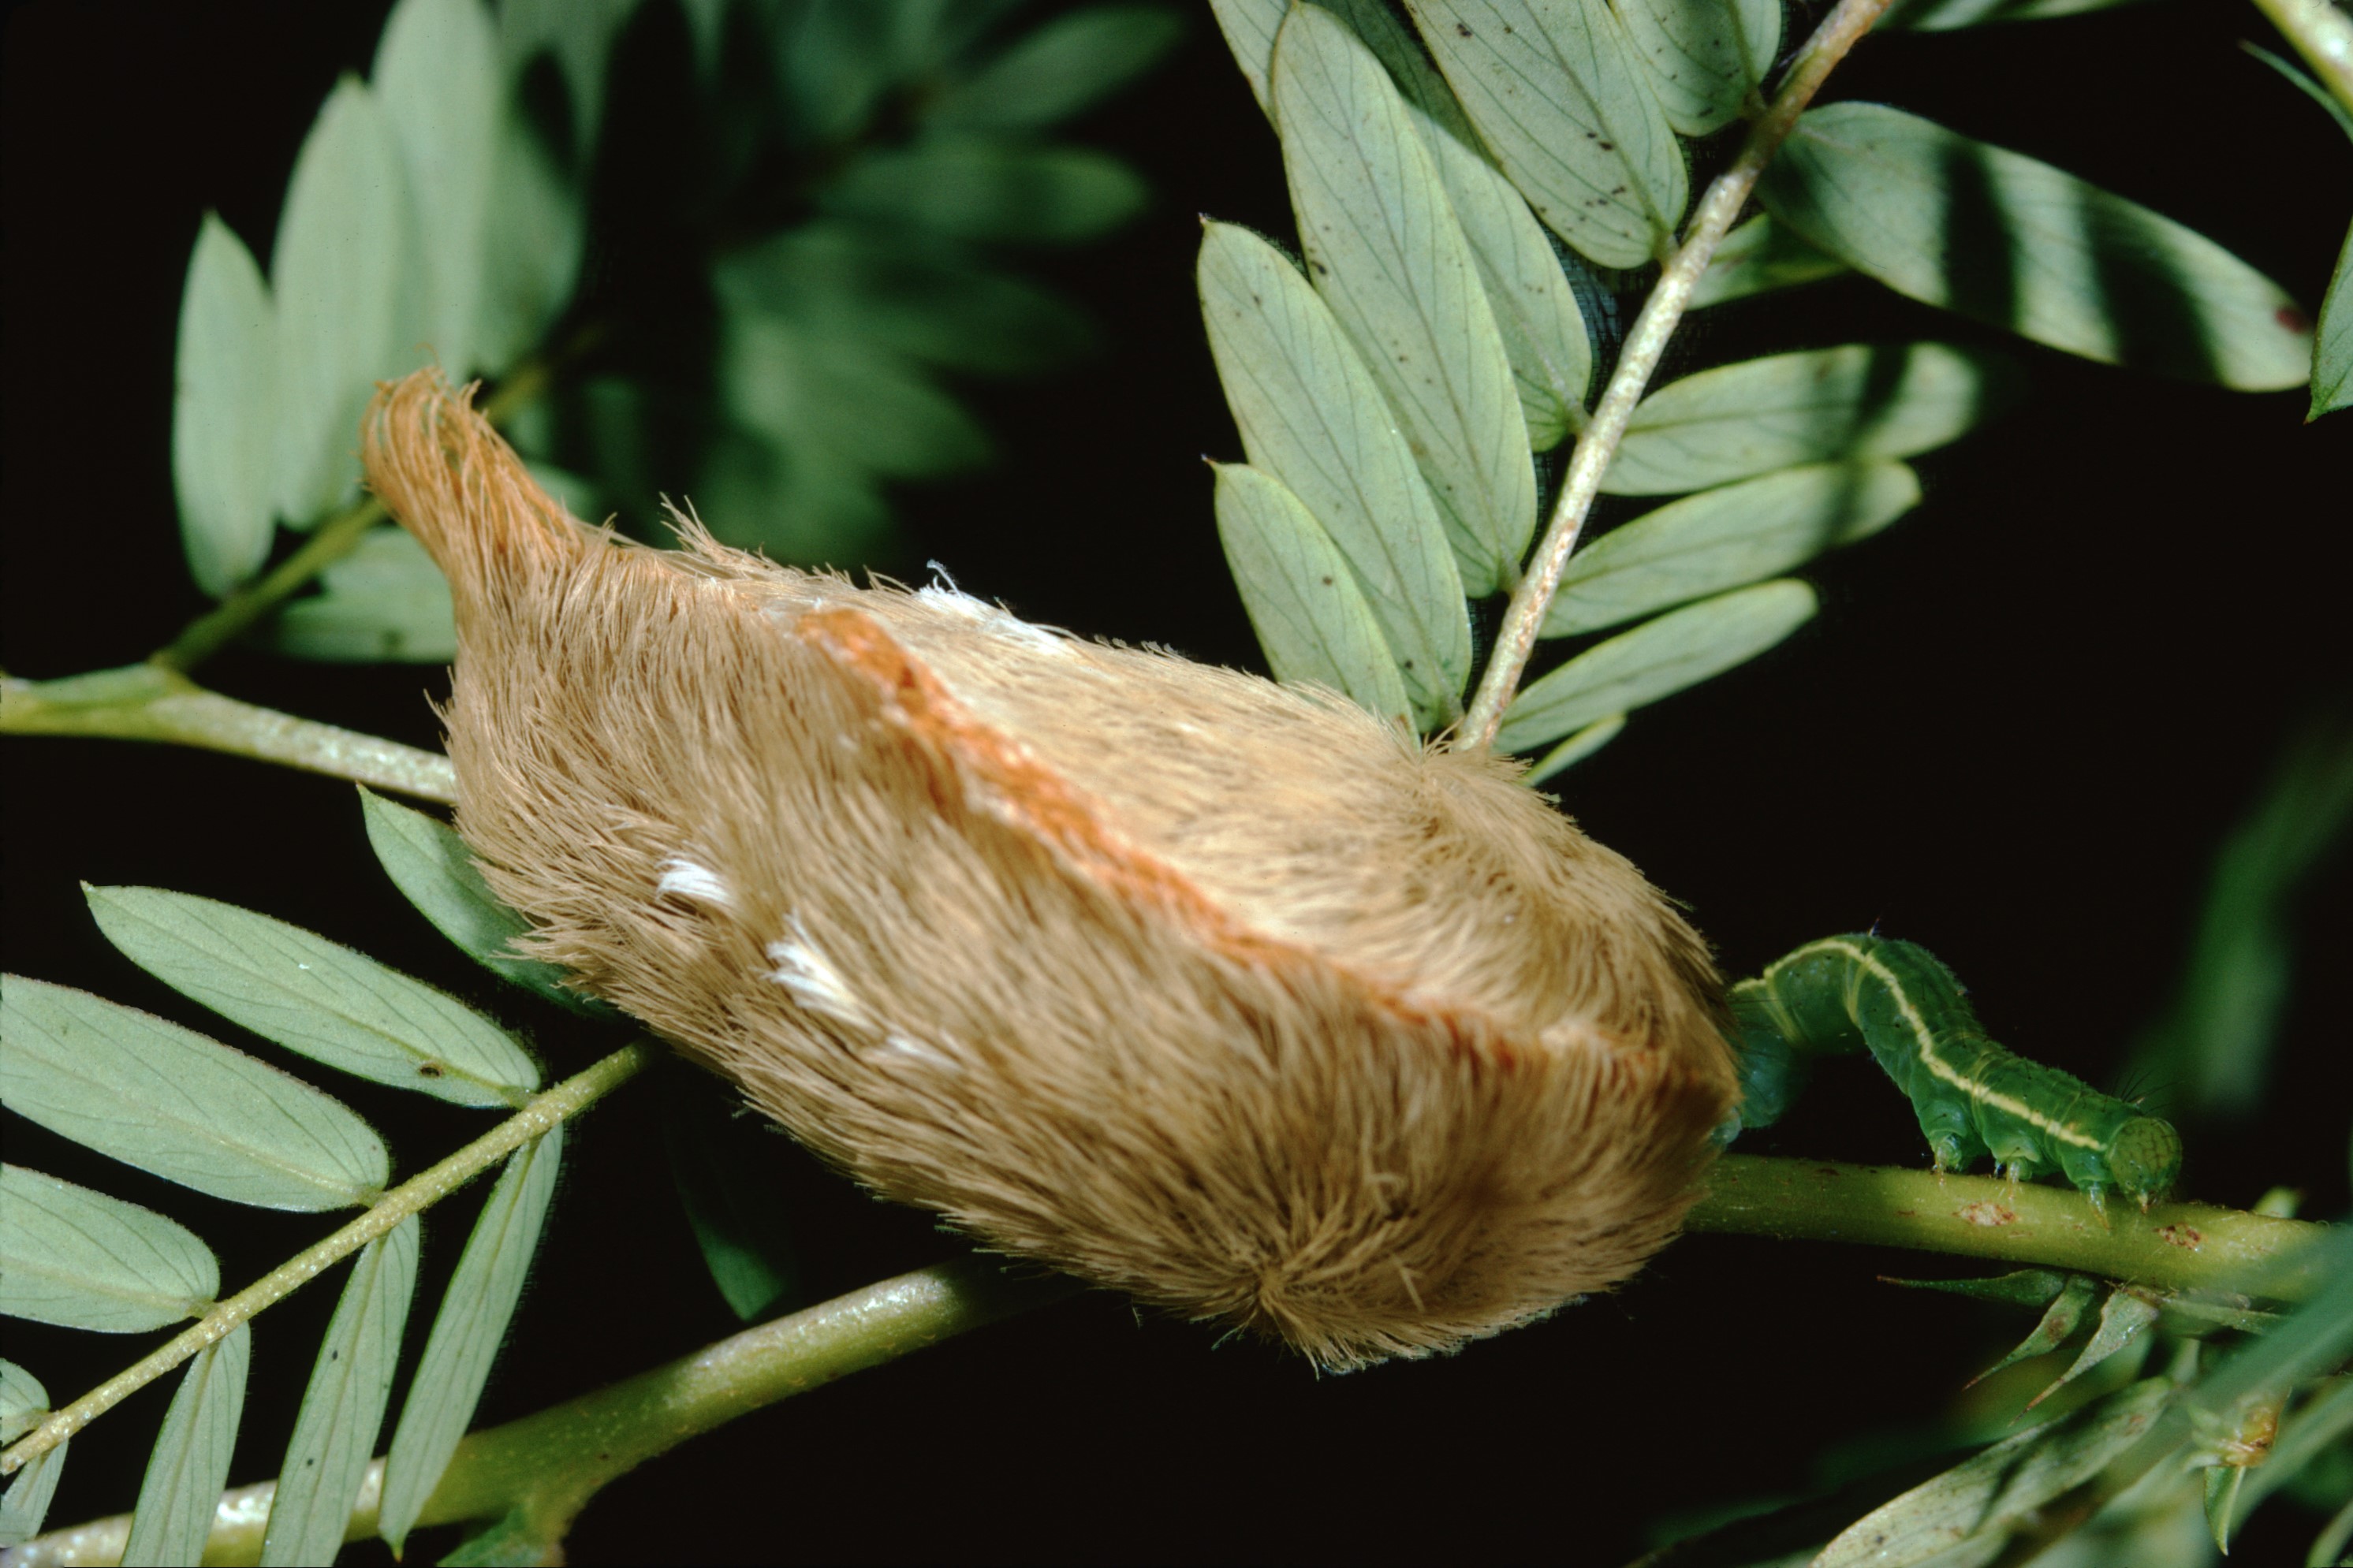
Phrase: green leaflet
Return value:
(1576, 749)
(1655, 659)
(2058, 1323)
(2124, 1317)
(1555, 89)
(466, 1333)
(384, 603)
(189, 1465)
(350, 284)
(580, 35)
(843, 396)
(2332, 346)
(981, 188)
(1726, 537)
(172, 1102)
(1068, 65)
(85, 1260)
(1704, 57)
(436, 74)
(2009, 241)
(531, 243)
(1943, 15)
(336, 1007)
(343, 1406)
(1990, 1495)
(26, 1501)
(1759, 256)
(721, 1160)
(1311, 619)
(1312, 418)
(435, 872)
(225, 411)
(1387, 255)
(929, 302)
(1815, 407)
(24, 1402)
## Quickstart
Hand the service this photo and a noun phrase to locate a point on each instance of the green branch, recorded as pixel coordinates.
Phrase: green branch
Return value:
(1638, 360)
(2180, 1247)
(420, 1192)
(534, 1476)
(148, 702)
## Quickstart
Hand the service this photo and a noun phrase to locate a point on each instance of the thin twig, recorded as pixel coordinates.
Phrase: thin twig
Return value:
(420, 1192)
(1645, 344)
(147, 702)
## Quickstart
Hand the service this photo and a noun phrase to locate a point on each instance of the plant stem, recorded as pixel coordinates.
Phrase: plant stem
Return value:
(2322, 35)
(420, 1192)
(148, 702)
(1638, 360)
(541, 1471)
(2174, 1245)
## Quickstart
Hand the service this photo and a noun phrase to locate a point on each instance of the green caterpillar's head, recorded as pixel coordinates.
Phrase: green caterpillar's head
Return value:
(2145, 1158)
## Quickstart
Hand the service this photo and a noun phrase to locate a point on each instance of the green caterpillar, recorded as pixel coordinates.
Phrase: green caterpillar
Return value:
(1973, 1097)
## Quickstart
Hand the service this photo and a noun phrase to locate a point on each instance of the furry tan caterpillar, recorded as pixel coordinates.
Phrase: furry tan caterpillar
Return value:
(1218, 993)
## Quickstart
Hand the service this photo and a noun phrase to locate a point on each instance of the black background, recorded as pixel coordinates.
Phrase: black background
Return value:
(2022, 721)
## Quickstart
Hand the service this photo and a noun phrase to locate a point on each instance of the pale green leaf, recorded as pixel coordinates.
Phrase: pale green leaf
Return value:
(1555, 89)
(1815, 407)
(2009, 241)
(580, 33)
(384, 603)
(1706, 56)
(438, 76)
(26, 1501)
(1577, 748)
(2332, 348)
(435, 871)
(1387, 254)
(349, 277)
(1759, 256)
(1249, 26)
(1943, 15)
(848, 397)
(316, 997)
(530, 246)
(225, 412)
(929, 302)
(342, 1406)
(169, 1102)
(1312, 417)
(189, 1465)
(2000, 1488)
(24, 1402)
(1655, 659)
(723, 1161)
(2124, 1317)
(1069, 64)
(984, 189)
(1311, 619)
(70, 1256)
(466, 1333)
(1726, 537)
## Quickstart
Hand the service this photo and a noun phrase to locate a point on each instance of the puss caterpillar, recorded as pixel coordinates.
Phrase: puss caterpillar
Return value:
(1225, 995)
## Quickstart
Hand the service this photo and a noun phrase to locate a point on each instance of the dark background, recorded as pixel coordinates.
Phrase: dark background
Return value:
(2015, 734)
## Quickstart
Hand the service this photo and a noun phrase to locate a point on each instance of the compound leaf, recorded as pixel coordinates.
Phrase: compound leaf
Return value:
(1817, 405)
(189, 1465)
(2009, 241)
(169, 1102)
(316, 997)
(1706, 56)
(1311, 619)
(225, 411)
(1655, 659)
(85, 1260)
(466, 1333)
(436, 74)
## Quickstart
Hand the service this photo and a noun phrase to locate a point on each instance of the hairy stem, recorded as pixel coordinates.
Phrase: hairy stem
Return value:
(148, 702)
(420, 1192)
(536, 1474)
(2322, 35)
(1638, 360)
(2174, 1245)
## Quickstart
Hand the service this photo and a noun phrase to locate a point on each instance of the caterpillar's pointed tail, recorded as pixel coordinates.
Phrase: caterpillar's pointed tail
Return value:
(454, 483)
